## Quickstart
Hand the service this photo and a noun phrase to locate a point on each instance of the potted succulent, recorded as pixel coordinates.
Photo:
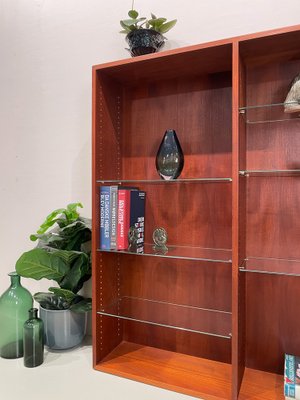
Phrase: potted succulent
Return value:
(62, 255)
(144, 35)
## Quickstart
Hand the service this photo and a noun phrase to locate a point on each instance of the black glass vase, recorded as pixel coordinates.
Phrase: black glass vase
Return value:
(169, 158)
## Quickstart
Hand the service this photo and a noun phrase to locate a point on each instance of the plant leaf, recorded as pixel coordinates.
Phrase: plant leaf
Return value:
(38, 264)
(68, 295)
(67, 215)
(50, 301)
(153, 16)
(125, 27)
(167, 26)
(156, 23)
(129, 22)
(75, 234)
(82, 306)
(133, 14)
(79, 272)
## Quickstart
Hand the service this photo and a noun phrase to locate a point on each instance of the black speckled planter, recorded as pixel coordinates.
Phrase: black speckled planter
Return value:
(144, 41)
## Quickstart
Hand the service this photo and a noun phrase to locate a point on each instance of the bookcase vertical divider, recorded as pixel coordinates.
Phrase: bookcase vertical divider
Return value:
(238, 224)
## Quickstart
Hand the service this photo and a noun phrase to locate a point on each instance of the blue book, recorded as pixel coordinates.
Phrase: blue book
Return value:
(105, 217)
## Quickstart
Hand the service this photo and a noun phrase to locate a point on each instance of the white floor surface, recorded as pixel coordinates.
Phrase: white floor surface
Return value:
(69, 375)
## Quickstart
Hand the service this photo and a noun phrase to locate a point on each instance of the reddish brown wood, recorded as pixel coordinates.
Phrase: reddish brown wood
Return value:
(190, 61)
(238, 224)
(259, 385)
(197, 107)
(275, 317)
(198, 91)
(272, 230)
(191, 375)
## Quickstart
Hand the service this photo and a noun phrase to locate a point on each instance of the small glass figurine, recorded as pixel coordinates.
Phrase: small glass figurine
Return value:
(133, 235)
(160, 238)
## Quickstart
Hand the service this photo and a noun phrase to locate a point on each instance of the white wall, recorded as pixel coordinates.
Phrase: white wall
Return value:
(47, 48)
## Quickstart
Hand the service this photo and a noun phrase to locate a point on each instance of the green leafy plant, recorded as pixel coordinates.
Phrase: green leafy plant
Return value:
(159, 24)
(62, 254)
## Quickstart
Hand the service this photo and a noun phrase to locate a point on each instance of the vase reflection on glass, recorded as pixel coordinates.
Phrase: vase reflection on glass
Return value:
(14, 305)
(169, 158)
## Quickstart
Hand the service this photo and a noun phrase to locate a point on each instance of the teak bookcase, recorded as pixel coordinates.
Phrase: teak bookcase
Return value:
(214, 316)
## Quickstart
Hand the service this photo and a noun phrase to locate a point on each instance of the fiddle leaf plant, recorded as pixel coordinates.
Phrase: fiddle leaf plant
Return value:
(62, 255)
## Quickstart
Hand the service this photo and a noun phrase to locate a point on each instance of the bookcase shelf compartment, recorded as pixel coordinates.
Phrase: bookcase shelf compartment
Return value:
(191, 375)
(182, 252)
(177, 316)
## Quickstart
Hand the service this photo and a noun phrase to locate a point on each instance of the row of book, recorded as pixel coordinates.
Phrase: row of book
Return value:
(121, 207)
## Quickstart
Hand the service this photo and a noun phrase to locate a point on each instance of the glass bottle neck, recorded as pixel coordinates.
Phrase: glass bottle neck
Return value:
(14, 279)
(33, 313)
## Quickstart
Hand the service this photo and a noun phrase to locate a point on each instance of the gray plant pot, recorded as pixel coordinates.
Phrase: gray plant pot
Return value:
(64, 329)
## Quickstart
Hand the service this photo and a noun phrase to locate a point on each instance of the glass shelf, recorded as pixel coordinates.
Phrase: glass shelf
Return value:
(273, 266)
(270, 172)
(181, 252)
(169, 315)
(267, 113)
(161, 181)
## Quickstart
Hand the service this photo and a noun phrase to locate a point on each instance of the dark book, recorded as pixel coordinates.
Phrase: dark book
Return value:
(131, 212)
(137, 216)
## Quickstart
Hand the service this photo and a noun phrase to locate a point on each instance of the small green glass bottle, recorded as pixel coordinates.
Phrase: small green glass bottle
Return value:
(33, 340)
(14, 305)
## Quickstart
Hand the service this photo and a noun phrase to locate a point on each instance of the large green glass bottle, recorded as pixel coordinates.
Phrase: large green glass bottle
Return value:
(33, 340)
(14, 305)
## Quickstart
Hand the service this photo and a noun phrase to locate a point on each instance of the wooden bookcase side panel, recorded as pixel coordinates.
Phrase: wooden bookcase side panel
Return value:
(238, 223)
